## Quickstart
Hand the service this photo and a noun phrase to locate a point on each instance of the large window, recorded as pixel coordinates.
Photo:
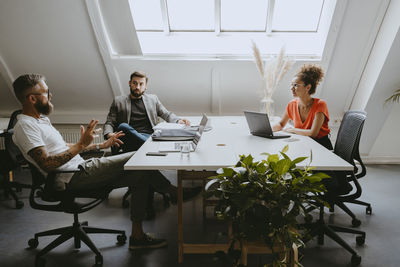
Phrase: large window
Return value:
(222, 28)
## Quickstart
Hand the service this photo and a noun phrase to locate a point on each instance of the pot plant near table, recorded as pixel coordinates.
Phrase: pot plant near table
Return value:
(266, 200)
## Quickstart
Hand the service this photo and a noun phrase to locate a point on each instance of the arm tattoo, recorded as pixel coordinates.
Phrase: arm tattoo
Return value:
(49, 163)
(88, 148)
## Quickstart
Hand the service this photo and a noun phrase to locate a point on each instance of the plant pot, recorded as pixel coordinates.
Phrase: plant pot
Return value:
(288, 255)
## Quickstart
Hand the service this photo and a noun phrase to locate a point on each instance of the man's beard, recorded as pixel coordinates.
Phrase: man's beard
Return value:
(44, 108)
(137, 94)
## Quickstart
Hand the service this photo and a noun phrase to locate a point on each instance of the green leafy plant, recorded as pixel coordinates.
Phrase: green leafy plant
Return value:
(267, 199)
(394, 98)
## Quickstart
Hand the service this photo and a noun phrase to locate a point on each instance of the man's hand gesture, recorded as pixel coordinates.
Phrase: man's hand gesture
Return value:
(87, 135)
(113, 140)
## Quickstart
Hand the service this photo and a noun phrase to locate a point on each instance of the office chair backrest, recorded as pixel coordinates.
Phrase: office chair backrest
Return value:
(13, 119)
(13, 151)
(348, 137)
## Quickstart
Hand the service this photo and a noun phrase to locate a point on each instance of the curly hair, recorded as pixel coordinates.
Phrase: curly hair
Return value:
(310, 74)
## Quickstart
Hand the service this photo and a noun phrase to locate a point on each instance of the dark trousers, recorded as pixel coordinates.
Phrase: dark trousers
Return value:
(109, 171)
(325, 141)
(132, 139)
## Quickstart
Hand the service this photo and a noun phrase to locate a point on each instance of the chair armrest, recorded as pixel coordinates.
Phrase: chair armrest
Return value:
(6, 134)
(92, 154)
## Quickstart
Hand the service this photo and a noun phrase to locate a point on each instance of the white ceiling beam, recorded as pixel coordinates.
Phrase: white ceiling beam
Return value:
(7, 76)
(104, 44)
(270, 15)
(217, 13)
(164, 14)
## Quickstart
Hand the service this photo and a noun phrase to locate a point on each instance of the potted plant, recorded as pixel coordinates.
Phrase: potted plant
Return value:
(266, 200)
(272, 72)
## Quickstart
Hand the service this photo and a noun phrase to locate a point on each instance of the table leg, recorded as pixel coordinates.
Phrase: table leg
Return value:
(180, 218)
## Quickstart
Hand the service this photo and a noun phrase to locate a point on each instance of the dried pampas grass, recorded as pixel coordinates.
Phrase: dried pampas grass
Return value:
(273, 72)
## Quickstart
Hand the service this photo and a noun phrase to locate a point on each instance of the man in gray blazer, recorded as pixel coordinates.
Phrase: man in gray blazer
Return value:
(136, 114)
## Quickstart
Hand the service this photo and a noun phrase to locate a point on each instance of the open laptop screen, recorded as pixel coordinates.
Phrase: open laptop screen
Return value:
(259, 125)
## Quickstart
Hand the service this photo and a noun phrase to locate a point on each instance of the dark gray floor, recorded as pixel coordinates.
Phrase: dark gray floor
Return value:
(381, 186)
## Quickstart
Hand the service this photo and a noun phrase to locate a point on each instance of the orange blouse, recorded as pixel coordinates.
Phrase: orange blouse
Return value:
(318, 105)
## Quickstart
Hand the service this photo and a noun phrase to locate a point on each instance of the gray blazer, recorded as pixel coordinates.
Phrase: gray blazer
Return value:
(120, 111)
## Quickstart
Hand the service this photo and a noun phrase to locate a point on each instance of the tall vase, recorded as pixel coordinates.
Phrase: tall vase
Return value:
(267, 106)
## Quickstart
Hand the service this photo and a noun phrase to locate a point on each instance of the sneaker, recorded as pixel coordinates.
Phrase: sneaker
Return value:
(146, 242)
(188, 194)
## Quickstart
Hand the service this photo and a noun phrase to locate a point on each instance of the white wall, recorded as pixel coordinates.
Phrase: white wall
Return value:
(380, 76)
(387, 146)
(56, 38)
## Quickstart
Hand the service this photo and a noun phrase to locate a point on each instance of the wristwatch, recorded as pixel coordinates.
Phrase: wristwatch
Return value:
(97, 147)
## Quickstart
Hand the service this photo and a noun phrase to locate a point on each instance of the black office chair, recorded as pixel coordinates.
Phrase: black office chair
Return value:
(10, 159)
(339, 187)
(65, 201)
(347, 147)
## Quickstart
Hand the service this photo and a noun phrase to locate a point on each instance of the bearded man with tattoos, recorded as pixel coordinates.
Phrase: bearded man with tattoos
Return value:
(43, 146)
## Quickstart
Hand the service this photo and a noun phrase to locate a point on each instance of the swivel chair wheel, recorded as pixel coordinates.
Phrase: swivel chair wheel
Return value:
(19, 204)
(360, 240)
(33, 243)
(368, 210)
(355, 260)
(98, 261)
(355, 222)
(40, 262)
(125, 203)
(121, 239)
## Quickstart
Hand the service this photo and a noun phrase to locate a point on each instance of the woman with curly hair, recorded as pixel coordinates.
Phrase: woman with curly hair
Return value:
(309, 115)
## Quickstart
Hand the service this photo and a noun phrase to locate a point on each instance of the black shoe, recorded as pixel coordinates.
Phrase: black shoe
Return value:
(188, 194)
(146, 242)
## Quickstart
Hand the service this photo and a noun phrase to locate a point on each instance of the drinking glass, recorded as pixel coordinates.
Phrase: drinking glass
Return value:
(185, 149)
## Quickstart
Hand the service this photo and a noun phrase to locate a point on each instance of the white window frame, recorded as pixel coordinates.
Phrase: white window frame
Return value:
(113, 58)
(275, 40)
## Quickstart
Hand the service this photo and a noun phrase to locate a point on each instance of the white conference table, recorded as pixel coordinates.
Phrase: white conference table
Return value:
(221, 147)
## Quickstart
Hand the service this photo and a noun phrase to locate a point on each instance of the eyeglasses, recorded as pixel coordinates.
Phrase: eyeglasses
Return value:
(295, 85)
(48, 94)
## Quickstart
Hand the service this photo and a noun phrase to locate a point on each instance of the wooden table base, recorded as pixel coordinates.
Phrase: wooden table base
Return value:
(291, 256)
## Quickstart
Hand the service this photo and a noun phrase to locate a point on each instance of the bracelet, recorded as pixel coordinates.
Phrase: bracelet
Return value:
(97, 147)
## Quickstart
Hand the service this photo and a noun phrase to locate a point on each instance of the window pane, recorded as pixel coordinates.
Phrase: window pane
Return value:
(240, 15)
(295, 15)
(191, 15)
(146, 14)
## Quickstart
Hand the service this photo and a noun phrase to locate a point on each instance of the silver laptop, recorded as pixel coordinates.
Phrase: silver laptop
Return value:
(176, 146)
(203, 122)
(259, 125)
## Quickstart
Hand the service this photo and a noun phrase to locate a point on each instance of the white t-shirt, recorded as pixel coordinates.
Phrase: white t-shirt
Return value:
(30, 132)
